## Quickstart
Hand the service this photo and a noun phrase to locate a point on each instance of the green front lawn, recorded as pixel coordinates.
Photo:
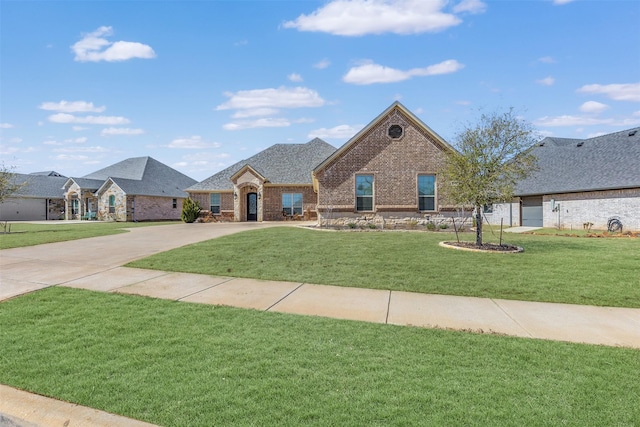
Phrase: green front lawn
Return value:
(181, 364)
(25, 234)
(555, 269)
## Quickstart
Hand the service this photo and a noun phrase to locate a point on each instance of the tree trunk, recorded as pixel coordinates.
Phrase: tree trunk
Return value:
(478, 225)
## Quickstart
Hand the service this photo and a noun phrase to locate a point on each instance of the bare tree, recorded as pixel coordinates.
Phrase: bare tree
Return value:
(494, 155)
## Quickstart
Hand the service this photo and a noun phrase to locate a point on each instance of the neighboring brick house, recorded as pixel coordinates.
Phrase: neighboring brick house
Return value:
(272, 185)
(39, 199)
(579, 181)
(135, 189)
(389, 169)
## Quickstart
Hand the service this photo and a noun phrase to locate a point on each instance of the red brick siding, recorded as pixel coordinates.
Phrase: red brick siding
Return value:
(272, 201)
(395, 164)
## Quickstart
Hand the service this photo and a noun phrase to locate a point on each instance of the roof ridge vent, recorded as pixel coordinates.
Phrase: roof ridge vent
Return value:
(633, 132)
(580, 144)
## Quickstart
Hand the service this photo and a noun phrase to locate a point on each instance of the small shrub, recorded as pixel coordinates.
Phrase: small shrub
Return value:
(443, 226)
(190, 210)
(431, 226)
(351, 225)
(372, 226)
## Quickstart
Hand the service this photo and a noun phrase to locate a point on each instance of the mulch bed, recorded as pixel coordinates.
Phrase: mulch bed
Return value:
(489, 247)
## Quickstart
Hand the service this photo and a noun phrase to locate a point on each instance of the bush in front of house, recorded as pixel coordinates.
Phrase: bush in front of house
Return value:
(190, 210)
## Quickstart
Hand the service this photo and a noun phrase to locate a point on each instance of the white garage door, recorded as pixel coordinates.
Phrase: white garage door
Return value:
(532, 211)
(18, 209)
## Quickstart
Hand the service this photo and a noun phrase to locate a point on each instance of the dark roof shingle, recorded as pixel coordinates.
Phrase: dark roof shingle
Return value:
(279, 164)
(141, 176)
(568, 165)
(40, 186)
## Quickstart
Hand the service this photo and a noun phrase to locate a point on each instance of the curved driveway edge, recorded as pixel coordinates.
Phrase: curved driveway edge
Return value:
(35, 267)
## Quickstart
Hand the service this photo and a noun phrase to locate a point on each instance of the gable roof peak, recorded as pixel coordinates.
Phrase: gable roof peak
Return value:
(397, 106)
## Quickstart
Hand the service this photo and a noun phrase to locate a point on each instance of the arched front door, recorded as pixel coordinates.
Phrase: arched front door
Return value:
(252, 206)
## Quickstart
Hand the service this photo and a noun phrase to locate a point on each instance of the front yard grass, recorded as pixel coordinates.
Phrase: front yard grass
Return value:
(25, 234)
(602, 272)
(181, 364)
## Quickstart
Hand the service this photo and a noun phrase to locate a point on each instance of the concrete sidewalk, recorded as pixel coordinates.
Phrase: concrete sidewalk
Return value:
(562, 322)
(96, 264)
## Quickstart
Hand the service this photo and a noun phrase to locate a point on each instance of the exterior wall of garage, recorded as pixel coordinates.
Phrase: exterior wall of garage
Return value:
(571, 211)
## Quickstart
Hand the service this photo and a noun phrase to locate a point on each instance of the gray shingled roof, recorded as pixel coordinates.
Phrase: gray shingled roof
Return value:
(602, 163)
(279, 164)
(40, 186)
(48, 173)
(86, 184)
(141, 176)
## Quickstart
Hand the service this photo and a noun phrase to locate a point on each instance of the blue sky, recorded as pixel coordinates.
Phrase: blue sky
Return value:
(200, 85)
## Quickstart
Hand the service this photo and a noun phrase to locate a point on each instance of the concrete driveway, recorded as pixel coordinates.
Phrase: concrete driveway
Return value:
(36, 267)
(96, 264)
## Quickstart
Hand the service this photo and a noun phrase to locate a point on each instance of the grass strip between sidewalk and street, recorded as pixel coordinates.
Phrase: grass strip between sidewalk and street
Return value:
(179, 364)
(602, 272)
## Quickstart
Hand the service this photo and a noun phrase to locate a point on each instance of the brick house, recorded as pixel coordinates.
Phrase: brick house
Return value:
(135, 189)
(579, 181)
(388, 169)
(272, 185)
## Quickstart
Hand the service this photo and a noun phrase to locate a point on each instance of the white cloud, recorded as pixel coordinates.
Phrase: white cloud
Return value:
(547, 60)
(91, 120)
(94, 47)
(337, 132)
(94, 149)
(121, 131)
(71, 157)
(561, 2)
(71, 107)
(360, 17)
(295, 77)
(51, 142)
(80, 140)
(255, 112)
(471, 6)
(6, 125)
(268, 122)
(569, 120)
(617, 92)
(282, 97)
(192, 142)
(593, 107)
(322, 64)
(547, 81)
(370, 73)
(6, 150)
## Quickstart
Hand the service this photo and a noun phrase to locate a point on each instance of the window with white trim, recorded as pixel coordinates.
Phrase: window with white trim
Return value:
(112, 204)
(426, 192)
(214, 203)
(364, 193)
(291, 204)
